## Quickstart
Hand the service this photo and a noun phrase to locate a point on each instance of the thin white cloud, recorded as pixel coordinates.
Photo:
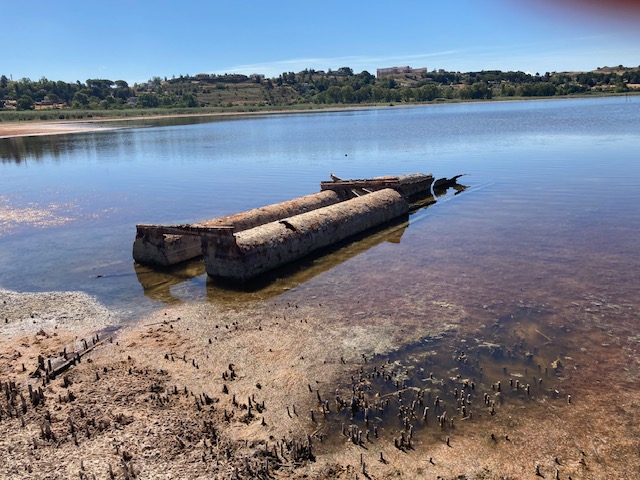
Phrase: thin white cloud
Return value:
(584, 53)
(357, 63)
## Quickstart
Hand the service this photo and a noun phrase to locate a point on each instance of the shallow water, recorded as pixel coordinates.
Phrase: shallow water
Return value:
(446, 383)
(550, 216)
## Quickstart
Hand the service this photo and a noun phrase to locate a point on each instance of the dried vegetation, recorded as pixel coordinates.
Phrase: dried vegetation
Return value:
(299, 391)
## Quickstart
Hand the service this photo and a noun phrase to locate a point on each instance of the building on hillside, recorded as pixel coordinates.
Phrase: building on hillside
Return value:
(9, 104)
(386, 72)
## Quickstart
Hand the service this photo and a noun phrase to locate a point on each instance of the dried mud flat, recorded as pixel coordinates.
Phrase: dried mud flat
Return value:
(279, 390)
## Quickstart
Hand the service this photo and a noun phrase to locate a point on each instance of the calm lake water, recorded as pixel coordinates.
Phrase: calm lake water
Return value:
(551, 215)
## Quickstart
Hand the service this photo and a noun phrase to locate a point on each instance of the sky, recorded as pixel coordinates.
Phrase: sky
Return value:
(135, 40)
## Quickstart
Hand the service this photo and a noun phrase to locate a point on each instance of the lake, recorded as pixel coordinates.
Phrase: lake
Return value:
(510, 306)
(550, 215)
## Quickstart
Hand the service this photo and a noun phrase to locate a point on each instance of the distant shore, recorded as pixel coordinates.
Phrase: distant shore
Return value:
(31, 128)
(34, 128)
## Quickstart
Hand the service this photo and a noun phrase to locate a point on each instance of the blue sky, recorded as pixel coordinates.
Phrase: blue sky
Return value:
(137, 39)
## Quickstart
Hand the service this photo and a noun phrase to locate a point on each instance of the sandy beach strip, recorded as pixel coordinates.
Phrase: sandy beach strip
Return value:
(32, 129)
(53, 127)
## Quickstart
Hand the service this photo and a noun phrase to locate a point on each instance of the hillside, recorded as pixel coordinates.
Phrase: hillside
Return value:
(342, 86)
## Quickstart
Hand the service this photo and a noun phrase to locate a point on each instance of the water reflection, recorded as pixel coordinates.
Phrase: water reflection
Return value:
(22, 149)
(289, 276)
(43, 147)
(160, 284)
(157, 284)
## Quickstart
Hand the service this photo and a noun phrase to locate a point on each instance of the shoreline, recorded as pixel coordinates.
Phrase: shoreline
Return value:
(32, 128)
(195, 391)
(43, 128)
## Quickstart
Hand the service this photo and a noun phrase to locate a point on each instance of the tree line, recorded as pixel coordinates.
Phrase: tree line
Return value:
(341, 86)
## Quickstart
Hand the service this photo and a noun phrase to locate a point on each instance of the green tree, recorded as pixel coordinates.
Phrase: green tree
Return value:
(80, 100)
(378, 93)
(334, 94)
(345, 71)
(538, 89)
(366, 77)
(189, 101)
(427, 93)
(99, 88)
(347, 94)
(363, 94)
(121, 90)
(406, 94)
(148, 100)
(320, 98)
(52, 97)
(621, 87)
(480, 90)
(387, 82)
(25, 102)
(507, 90)
(111, 102)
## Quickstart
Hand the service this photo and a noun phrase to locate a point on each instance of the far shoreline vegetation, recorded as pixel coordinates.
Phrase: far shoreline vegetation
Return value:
(27, 100)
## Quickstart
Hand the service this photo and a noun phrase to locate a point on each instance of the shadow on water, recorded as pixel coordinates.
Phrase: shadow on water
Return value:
(295, 273)
(444, 383)
(38, 148)
(158, 283)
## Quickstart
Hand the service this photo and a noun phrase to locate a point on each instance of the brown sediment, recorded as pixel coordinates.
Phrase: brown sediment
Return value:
(200, 391)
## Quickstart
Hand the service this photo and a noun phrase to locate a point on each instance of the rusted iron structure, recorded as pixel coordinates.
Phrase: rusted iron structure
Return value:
(242, 246)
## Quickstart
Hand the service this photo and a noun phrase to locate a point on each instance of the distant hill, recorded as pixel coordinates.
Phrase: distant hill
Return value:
(341, 86)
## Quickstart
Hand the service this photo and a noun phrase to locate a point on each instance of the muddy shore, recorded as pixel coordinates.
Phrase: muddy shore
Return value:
(268, 391)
